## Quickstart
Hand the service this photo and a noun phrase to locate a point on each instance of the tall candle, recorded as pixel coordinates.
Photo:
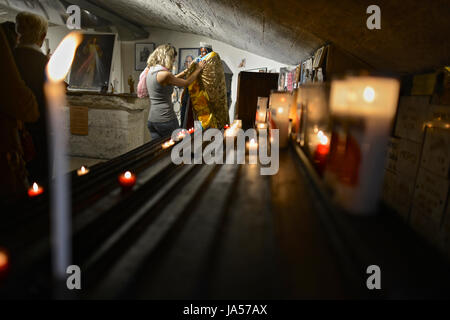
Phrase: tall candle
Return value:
(261, 109)
(57, 69)
(363, 109)
(279, 105)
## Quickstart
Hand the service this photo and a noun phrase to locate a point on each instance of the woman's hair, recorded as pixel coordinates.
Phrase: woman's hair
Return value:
(163, 55)
(31, 27)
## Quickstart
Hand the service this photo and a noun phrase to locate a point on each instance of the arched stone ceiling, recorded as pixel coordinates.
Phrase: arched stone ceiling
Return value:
(414, 34)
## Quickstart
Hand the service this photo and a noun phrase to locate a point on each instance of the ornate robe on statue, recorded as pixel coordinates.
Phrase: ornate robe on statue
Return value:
(208, 93)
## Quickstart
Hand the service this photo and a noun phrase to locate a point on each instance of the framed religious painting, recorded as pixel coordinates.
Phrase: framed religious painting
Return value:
(142, 51)
(91, 66)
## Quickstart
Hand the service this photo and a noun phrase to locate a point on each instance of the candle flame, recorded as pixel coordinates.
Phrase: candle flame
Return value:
(62, 58)
(127, 174)
(369, 94)
(323, 139)
(3, 259)
(83, 169)
(168, 144)
(35, 187)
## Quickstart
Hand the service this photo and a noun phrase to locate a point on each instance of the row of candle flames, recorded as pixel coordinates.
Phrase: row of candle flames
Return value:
(127, 179)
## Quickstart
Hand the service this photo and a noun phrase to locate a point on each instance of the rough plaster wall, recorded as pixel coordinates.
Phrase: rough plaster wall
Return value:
(414, 35)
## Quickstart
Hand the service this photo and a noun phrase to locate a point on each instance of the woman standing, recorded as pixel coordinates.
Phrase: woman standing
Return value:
(162, 120)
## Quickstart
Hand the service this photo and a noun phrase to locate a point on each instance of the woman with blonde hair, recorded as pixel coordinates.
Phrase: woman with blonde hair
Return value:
(162, 120)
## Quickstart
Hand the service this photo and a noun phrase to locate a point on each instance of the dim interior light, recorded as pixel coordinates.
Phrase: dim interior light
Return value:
(280, 110)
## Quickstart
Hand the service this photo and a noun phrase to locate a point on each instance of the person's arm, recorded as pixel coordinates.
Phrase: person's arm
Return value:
(167, 78)
(182, 74)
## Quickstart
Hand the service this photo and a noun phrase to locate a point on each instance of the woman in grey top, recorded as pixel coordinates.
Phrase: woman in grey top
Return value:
(160, 81)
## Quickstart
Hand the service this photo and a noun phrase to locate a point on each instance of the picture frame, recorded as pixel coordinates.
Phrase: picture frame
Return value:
(262, 69)
(91, 68)
(282, 79)
(184, 57)
(142, 52)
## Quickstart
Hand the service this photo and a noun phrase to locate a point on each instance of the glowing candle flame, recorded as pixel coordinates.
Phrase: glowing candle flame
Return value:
(83, 169)
(323, 139)
(262, 126)
(167, 144)
(369, 94)
(3, 260)
(35, 187)
(127, 174)
(61, 60)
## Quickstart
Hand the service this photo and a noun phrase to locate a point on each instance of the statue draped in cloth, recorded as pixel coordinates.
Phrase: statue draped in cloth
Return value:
(208, 92)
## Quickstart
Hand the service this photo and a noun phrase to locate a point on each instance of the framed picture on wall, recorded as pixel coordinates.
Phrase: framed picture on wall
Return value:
(186, 56)
(264, 69)
(142, 52)
(91, 66)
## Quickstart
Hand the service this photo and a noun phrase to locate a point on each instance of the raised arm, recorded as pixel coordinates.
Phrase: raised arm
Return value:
(167, 78)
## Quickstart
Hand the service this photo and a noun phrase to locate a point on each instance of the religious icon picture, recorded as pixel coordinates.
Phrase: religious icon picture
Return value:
(282, 79)
(186, 56)
(142, 52)
(91, 66)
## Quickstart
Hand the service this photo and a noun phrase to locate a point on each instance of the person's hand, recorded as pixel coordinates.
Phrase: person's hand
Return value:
(202, 64)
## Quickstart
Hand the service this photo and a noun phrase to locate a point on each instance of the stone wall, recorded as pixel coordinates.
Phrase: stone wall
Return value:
(117, 124)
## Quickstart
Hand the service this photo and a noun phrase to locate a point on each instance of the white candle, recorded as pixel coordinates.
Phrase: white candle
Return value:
(279, 106)
(366, 107)
(57, 69)
(261, 110)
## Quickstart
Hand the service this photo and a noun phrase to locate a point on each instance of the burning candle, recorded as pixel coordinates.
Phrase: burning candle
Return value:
(4, 261)
(252, 144)
(321, 152)
(127, 180)
(57, 69)
(237, 123)
(82, 171)
(261, 112)
(279, 104)
(168, 144)
(262, 126)
(363, 109)
(35, 190)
